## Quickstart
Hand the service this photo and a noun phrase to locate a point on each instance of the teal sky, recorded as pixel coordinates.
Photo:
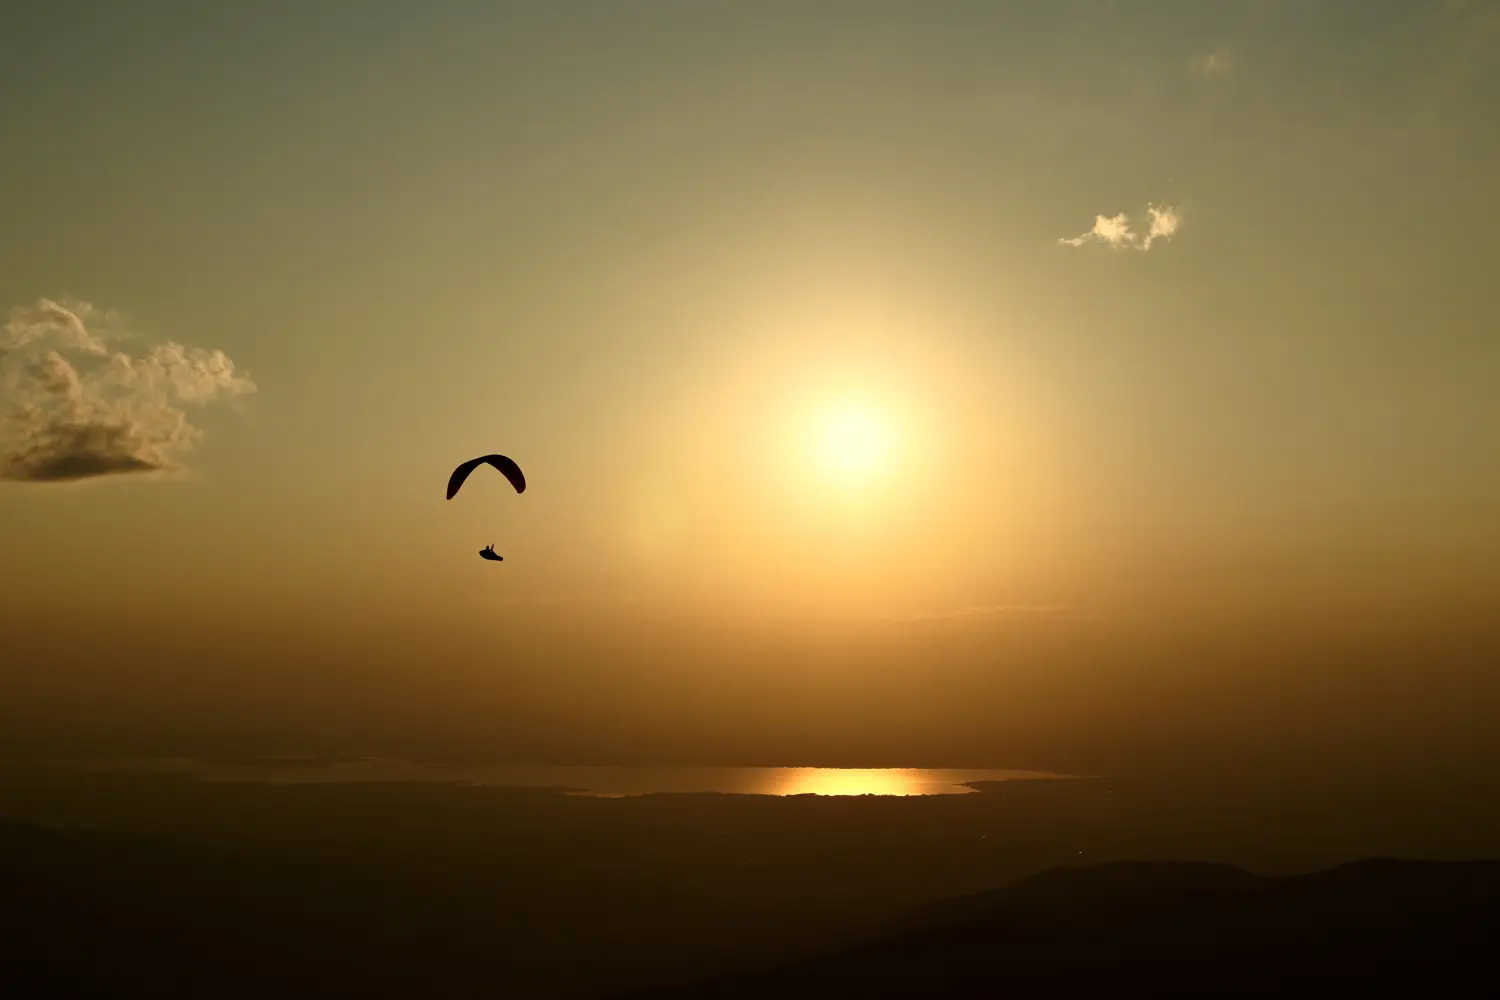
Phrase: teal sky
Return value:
(645, 247)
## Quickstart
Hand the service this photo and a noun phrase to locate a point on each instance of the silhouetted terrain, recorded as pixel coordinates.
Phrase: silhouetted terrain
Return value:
(97, 914)
(1127, 929)
(243, 889)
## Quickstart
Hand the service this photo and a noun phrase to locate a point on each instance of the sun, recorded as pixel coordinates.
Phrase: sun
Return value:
(855, 442)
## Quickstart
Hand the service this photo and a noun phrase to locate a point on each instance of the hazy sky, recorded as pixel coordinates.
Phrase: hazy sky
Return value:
(905, 326)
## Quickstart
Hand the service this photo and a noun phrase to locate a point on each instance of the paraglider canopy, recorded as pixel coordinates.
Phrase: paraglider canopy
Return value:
(509, 469)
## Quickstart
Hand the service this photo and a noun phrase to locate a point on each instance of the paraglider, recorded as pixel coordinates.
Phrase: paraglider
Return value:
(508, 468)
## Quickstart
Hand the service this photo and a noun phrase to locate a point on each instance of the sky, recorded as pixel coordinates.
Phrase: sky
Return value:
(875, 368)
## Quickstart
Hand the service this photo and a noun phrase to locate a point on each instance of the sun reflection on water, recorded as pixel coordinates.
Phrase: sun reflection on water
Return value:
(853, 781)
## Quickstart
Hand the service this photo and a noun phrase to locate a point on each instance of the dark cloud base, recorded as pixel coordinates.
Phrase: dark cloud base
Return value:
(80, 451)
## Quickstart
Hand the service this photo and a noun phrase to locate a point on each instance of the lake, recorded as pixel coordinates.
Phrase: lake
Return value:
(601, 781)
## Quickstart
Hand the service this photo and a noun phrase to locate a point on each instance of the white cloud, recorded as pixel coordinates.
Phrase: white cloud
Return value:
(74, 405)
(1111, 229)
(1164, 223)
(1216, 63)
(1161, 222)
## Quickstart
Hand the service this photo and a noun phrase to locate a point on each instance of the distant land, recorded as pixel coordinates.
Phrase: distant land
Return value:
(1375, 927)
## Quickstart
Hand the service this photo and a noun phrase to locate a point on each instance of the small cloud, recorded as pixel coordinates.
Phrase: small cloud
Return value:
(1164, 222)
(78, 406)
(1111, 229)
(1216, 63)
(1115, 231)
(989, 612)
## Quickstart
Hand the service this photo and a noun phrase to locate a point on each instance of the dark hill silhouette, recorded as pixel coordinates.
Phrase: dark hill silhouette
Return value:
(90, 914)
(103, 914)
(1076, 888)
(1380, 926)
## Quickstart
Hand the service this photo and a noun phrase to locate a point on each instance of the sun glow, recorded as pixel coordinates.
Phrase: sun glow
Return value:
(852, 781)
(855, 442)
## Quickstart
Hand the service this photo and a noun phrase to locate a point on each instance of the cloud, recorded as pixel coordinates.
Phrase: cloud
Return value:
(990, 612)
(76, 404)
(1162, 222)
(1111, 229)
(67, 326)
(1216, 63)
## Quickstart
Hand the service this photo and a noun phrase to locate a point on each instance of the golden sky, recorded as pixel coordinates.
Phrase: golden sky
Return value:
(885, 321)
